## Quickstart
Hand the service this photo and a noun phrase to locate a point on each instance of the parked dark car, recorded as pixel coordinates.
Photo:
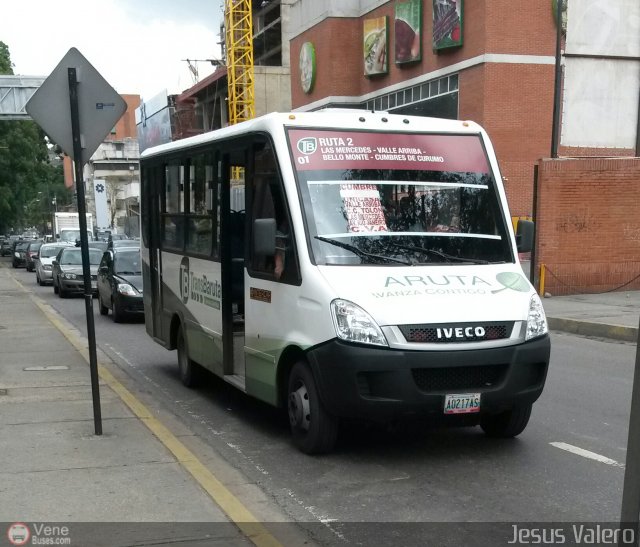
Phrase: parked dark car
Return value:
(19, 254)
(5, 247)
(67, 271)
(31, 255)
(100, 245)
(120, 283)
(121, 241)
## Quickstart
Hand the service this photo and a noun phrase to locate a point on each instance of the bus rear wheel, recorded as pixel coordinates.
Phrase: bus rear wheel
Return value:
(189, 371)
(314, 430)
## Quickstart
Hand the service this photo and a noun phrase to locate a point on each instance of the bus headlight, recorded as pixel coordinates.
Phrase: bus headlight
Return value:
(536, 319)
(353, 324)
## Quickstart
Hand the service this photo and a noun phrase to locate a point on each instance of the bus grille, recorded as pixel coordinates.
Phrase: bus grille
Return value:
(458, 378)
(456, 332)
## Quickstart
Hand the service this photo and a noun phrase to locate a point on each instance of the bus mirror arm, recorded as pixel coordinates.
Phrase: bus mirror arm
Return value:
(264, 236)
(524, 236)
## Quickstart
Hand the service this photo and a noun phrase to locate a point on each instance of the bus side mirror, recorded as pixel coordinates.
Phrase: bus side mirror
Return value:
(264, 236)
(524, 236)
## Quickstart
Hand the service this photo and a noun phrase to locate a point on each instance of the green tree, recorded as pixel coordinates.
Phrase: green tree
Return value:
(6, 67)
(25, 167)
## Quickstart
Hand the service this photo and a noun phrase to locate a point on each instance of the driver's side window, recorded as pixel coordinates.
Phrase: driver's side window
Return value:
(268, 200)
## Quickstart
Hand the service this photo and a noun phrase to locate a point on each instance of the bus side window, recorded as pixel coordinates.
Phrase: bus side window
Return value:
(268, 201)
(173, 228)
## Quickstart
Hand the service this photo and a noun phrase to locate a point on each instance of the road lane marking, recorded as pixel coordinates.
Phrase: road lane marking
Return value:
(249, 525)
(587, 454)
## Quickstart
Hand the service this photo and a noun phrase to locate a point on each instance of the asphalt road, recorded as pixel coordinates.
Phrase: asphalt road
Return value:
(412, 473)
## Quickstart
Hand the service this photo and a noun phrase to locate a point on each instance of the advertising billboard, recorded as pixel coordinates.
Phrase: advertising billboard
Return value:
(447, 23)
(408, 31)
(375, 46)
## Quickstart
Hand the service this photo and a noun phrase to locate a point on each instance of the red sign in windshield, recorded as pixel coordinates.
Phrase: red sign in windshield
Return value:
(320, 150)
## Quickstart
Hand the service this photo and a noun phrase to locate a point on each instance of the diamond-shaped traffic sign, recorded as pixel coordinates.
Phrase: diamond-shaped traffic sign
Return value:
(99, 106)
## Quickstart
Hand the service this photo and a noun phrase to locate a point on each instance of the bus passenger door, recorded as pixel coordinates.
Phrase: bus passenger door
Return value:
(153, 179)
(233, 266)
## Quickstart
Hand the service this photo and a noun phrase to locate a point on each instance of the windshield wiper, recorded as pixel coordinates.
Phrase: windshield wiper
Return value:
(445, 256)
(360, 253)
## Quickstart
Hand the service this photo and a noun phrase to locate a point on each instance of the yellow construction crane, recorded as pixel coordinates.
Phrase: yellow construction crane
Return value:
(239, 45)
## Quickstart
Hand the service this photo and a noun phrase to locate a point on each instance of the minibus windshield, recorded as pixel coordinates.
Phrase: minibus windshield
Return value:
(394, 199)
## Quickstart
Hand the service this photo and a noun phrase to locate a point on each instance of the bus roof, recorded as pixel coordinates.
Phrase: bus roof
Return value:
(335, 118)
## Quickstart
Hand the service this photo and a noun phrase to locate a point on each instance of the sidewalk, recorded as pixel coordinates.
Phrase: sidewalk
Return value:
(53, 468)
(610, 315)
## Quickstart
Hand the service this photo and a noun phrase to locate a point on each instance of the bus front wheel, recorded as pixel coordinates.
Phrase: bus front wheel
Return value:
(509, 423)
(314, 430)
(188, 369)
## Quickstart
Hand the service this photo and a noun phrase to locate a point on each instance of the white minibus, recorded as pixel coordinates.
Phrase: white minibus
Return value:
(345, 264)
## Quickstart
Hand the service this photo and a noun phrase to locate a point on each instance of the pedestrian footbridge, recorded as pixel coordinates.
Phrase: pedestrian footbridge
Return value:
(15, 92)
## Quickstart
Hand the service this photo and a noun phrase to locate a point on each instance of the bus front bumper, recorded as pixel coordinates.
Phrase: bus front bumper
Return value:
(359, 381)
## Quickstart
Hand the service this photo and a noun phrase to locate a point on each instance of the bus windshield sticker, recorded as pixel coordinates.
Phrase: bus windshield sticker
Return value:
(328, 149)
(363, 208)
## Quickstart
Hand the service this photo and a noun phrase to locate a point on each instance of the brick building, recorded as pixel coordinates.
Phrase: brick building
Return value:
(493, 61)
(499, 72)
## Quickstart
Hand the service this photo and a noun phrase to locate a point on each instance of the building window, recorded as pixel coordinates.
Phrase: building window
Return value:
(438, 98)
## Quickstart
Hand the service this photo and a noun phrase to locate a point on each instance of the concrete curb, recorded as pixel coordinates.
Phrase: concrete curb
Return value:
(589, 328)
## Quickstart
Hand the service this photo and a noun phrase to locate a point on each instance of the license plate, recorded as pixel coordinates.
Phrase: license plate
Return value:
(461, 403)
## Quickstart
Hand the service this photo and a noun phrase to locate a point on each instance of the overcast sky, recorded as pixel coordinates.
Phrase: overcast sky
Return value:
(138, 46)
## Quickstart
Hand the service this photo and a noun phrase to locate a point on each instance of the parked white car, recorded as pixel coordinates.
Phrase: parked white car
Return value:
(47, 254)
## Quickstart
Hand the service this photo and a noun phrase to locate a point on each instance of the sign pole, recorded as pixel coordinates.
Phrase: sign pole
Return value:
(84, 246)
(630, 512)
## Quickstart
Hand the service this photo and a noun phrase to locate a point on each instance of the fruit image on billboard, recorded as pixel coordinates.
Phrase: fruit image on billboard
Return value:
(408, 31)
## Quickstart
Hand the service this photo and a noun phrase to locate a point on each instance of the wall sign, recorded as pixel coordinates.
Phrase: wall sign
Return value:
(307, 67)
(375, 47)
(408, 31)
(447, 23)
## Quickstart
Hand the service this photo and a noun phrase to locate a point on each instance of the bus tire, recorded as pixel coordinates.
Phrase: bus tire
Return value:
(314, 430)
(189, 371)
(509, 423)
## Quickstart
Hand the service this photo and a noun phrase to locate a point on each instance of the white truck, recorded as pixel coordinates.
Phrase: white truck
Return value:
(67, 227)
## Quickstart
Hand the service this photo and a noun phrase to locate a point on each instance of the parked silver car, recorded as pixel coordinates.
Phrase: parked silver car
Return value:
(67, 271)
(46, 256)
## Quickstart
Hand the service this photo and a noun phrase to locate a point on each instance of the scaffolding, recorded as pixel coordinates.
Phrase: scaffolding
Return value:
(239, 50)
